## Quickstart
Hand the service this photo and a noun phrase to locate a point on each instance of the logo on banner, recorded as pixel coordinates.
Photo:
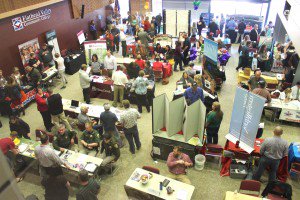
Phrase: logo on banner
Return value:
(20, 23)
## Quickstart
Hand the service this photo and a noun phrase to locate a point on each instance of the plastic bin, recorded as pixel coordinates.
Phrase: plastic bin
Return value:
(199, 162)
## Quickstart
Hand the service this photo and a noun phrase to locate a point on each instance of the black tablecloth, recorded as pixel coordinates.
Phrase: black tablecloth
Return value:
(73, 65)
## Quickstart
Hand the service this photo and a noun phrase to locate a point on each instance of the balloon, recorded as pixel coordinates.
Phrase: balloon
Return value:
(197, 3)
(196, 7)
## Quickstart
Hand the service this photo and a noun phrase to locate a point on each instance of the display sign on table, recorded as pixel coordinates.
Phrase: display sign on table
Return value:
(211, 50)
(290, 111)
(81, 37)
(95, 47)
(26, 48)
(245, 118)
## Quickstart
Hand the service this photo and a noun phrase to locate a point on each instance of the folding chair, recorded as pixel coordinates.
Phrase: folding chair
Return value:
(39, 133)
(151, 169)
(158, 75)
(250, 186)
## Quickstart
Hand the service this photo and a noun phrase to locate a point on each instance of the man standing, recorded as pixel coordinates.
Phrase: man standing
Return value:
(193, 93)
(296, 91)
(33, 75)
(241, 31)
(244, 57)
(123, 42)
(56, 110)
(50, 163)
(254, 34)
(254, 79)
(116, 33)
(186, 47)
(177, 163)
(272, 151)
(89, 188)
(90, 140)
(129, 121)
(120, 79)
(34, 62)
(85, 83)
(46, 56)
(262, 91)
(108, 120)
(110, 62)
(200, 25)
(213, 27)
(64, 139)
(158, 20)
(231, 28)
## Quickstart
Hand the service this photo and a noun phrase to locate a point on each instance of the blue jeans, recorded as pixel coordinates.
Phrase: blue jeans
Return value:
(130, 134)
(263, 163)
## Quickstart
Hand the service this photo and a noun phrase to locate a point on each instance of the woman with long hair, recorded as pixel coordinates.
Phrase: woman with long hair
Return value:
(213, 122)
(178, 57)
(14, 94)
(96, 65)
(262, 57)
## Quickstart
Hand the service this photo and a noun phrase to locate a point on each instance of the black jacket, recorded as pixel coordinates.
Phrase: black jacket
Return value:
(55, 105)
(253, 35)
(111, 148)
(241, 27)
(21, 127)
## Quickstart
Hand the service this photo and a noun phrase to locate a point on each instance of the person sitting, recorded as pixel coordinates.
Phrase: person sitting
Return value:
(157, 65)
(133, 70)
(226, 39)
(193, 94)
(20, 126)
(254, 79)
(262, 91)
(177, 163)
(84, 118)
(213, 122)
(56, 187)
(149, 74)
(186, 80)
(158, 50)
(90, 140)
(89, 188)
(296, 91)
(245, 40)
(110, 151)
(64, 139)
(140, 62)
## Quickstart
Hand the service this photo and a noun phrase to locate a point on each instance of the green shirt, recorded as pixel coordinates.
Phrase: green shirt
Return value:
(89, 191)
(212, 120)
(90, 137)
(63, 140)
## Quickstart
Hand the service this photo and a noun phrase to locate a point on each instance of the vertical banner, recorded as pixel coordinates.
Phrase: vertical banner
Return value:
(26, 48)
(95, 47)
(52, 40)
(211, 50)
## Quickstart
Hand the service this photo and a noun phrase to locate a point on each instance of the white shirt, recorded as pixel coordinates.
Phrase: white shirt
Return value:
(122, 36)
(110, 62)
(119, 78)
(295, 91)
(60, 63)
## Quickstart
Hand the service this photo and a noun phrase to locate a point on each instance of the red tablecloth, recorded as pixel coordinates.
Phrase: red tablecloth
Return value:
(282, 172)
(102, 90)
(133, 47)
(167, 70)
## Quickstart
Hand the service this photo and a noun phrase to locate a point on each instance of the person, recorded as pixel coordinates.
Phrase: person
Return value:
(20, 126)
(90, 140)
(123, 42)
(140, 49)
(213, 122)
(140, 62)
(49, 162)
(129, 121)
(85, 83)
(178, 57)
(241, 30)
(120, 80)
(226, 39)
(46, 56)
(254, 34)
(89, 188)
(221, 45)
(147, 24)
(262, 58)
(7, 144)
(158, 20)
(116, 33)
(262, 91)
(110, 62)
(56, 187)
(64, 139)
(93, 30)
(149, 74)
(108, 120)
(56, 110)
(296, 91)
(254, 62)
(193, 93)
(230, 27)
(133, 24)
(222, 23)
(42, 106)
(186, 80)
(61, 69)
(157, 65)
(110, 151)
(109, 41)
(245, 40)
(158, 50)
(2, 79)
(254, 79)
(35, 62)
(177, 163)
(137, 30)
(272, 151)
(244, 56)
(186, 48)
(133, 70)
(16, 75)
(15, 94)
(213, 27)
(144, 38)
(268, 31)
(129, 21)
(152, 32)
(34, 76)
(95, 65)
(168, 53)
(140, 86)
(200, 25)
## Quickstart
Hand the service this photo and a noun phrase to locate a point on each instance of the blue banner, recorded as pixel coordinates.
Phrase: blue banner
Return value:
(211, 50)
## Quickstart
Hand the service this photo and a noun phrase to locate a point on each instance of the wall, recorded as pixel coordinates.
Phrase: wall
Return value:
(9, 5)
(138, 6)
(61, 20)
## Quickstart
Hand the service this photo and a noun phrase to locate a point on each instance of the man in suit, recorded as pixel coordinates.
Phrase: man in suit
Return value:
(254, 34)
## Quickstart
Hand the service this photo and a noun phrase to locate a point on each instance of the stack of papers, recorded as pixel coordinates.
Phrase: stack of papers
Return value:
(90, 167)
(182, 195)
(23, 147)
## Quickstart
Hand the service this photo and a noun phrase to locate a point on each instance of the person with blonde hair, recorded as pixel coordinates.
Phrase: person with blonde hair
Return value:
(213, 122)
(140, 86)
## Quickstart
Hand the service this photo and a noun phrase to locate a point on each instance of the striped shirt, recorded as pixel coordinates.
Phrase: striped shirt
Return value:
(89, 191)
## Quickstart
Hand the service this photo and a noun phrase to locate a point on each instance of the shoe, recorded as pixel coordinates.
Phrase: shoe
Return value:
(63, 87)
(138, 148)
(175, 70)
(181, 69)
(132, 152)
(89, 102)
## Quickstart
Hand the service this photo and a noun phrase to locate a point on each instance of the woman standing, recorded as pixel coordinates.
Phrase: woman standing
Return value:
(262, 57)
(14, 94)
(140, 87)
(178, 57)
(96, 65)
(41, 101)
(213, 122)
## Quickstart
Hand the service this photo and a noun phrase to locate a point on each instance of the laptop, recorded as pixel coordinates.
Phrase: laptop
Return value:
(74, 104)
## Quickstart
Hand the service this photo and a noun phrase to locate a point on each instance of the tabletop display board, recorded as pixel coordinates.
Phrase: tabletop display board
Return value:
(95, 47)
(176, 21)
(163, 40)
(172, 118)
(211, 50)
(245, 118)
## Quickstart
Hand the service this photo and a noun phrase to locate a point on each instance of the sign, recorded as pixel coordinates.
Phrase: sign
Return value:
(211, 50)
(290, 111)
(26, 48)
(95, 47)
(23, 21)
(50, 35)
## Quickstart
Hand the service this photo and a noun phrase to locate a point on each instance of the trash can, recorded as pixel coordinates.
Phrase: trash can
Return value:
(199, 162)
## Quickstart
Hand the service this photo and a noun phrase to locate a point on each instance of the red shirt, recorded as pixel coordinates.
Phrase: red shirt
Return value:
(176, 168)
(157, 66)
(41, 102)
(140, 63)
(6, 144)
(147, 25)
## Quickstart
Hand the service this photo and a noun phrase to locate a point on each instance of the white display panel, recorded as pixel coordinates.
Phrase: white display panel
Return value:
(182, 21)
(158, 110)
(171, 22)
(192, 120)
(176, 109)
(202, 116)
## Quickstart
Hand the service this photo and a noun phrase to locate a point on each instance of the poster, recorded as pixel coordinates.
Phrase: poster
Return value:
(211, 50)
(26, 48)
(95, 47)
